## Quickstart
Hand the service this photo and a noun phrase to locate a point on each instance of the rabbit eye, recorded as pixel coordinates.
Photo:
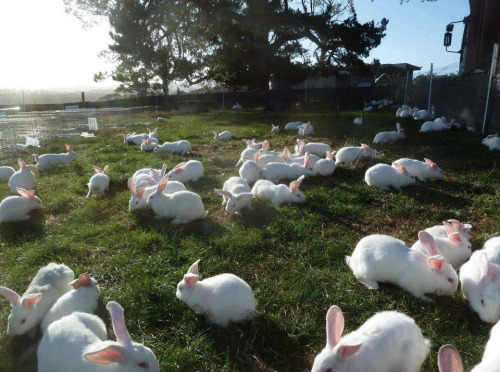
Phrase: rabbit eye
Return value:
(143, 365)
(451, 280)
(23, 321)
(482, 303)
(328, 370)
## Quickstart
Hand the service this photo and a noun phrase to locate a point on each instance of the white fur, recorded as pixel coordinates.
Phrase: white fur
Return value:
(391, 136)
(423, 170)
(223, 298)
(83, 298)
(325, 167)
(265, 159)
(348, 155)
(250, 170)
(440, 230)
(491, 357)
(249, 152)
(178, 147)
(423, 115)
(182, 206)
(223, 136)
(50, 283)
(153, 134)
(492, 141)
(278, 171)
(293, 125)
(381, 258)
(17, 208)
(24, 178)
(155, 173)
(358, 120)
(6, 173)
(99, 182)
(47, 160)
(386, 176)
(135, 139)
(318, 149)
(236, 195)
(78, 343)
(368, 109)
(190, 171)
(147, 144)
(388, 341)
(140, 195)
(480, 281)
(306, 129)
(275, 129)
(437, 125)
(279, 194)
(454, 247)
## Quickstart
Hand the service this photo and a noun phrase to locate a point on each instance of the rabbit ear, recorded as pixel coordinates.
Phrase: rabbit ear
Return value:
(294, 185)
(493, 271)
(430, 163)
(398, 127)
(31, 194)
(452, 232)
(193, 269)
(145, 142)
(31, 300)
(22, 192)
(140, 192)
(155, 130)
(163, 169)
(428, 243)
(366, 147)
(21, 163)
(457, 224)
(307, 159)
(82, 281)
(105, 170)
(483, 264)
(347, 350)
(131, 186)
(449, 360)
(334, 326)
(97, 169)
(223, 192)
(332, 155)
(118, 320)
(106, 355)
(436, 262)
(162, 184)
(256, 157)
(190, 278)
(244, 195)
(10, 295)
(403, 169)
(67, 147)
(180, 168)
(215, 133)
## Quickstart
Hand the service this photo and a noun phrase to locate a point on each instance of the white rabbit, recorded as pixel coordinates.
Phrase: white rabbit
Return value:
(135, 139)
(159, 119)
(358, 120)
(236, 195)
(491, 357)
(100, 181)
(265, 159)
(156, 174)
(265, 149)
(278, 171)
(449, 360)
(182, 206)
(299, 159)
(47, 160)
(24, 178)
(423, 115)
(381, 258)
(223, 136)
(190, 171)
(454, 248)
(78, 343)
(480, 281)
(275, 129)
(423, 170)
(440, 230)
(391, 136)
(306, 129)
(17, 208)
(386, 176)
(348, 155)
(224, 298)
(368, 109)
(250, 170)
(318, 149)
(236, 106)
(83, 298)
(147, 144)
(6, 173)
(438, 125)
(179, 147)
(153, 133)
(279, 194)
(325, 167)
(492, 141)
(293, 125)
(403, 112)
(140, 195)
(388, 341)
(28, 310)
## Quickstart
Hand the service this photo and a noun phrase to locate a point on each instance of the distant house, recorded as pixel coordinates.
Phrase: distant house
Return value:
(482, 30)
(383, 80)
(399, 71)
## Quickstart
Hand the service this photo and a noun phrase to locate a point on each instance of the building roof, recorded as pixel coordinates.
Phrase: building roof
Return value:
(399, 67)
(384, 76)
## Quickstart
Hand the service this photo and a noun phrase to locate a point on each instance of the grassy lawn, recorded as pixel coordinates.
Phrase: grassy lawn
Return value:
(292, 257)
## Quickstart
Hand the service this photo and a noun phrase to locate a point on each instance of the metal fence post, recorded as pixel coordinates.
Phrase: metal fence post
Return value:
(430, 88)
(493, 71)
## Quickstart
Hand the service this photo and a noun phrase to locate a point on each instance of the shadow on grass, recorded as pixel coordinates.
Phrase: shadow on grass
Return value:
(32, 229)
(259, 345)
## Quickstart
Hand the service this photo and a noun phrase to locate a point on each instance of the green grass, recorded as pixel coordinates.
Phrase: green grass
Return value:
(292, 257)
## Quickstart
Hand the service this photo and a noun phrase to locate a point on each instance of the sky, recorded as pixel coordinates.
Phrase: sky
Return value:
(42, 47)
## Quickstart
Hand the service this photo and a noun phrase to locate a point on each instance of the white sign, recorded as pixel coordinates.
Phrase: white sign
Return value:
(93, 124)
(32, 142)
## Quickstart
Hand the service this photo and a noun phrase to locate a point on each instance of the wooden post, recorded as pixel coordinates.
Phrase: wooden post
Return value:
(83, 99)
(493, 72)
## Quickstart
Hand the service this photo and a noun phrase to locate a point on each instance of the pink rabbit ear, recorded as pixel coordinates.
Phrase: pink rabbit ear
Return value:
(294, 185)
(436, 262)
(215, 133)
(10, 295)
(223, 192)
(493, 271)
(97, 169)
(82, 281)
(428, 242)
(163, 169)
(458, 225)
(244, 195)
(30, 301)
(308, 159)
(334, 326)
(366, 147)
(67, 147)
(328, 154)
(145, 142)
(31, 194)
(155, 130)
(131, 186)
(22, 163)
(256, 157)
(140, 192)
(105, 170)
(483, 264)
(190, 278)
(193, 269)
(449, 360)
(347, 350)
(22, 192)
(163, 183)
(118, 320)
(430, 163)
